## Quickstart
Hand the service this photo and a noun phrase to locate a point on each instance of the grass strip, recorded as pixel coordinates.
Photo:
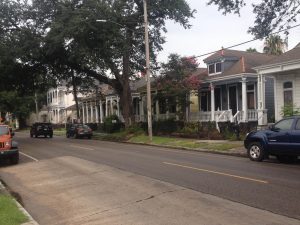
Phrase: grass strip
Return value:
(9, 212)
(184, 143)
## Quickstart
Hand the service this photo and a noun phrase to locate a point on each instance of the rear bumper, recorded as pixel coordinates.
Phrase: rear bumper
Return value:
(7, 153)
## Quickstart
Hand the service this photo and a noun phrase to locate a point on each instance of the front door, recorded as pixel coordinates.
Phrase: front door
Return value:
(232, 99)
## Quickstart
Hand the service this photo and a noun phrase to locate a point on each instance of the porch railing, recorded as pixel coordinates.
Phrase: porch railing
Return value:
(252, 115)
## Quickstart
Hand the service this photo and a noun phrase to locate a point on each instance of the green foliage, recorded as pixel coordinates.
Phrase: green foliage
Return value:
(270, 14)
(112, 124)
(164, 126)
(9, 213)
(290, 110)
(251, 50)
(274, 45)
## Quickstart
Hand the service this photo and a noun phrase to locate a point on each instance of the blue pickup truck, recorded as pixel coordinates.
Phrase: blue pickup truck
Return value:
(281, 140)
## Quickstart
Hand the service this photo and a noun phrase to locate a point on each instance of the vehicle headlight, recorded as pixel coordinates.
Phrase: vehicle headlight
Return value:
(7, 143)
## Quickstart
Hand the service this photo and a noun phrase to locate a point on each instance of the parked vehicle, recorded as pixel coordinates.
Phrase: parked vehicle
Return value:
(79, 130)
(41, 129)
(281, 140)
(8, 147)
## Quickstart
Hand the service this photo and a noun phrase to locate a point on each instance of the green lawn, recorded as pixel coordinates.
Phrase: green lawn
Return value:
(185, 143)
(9, 212)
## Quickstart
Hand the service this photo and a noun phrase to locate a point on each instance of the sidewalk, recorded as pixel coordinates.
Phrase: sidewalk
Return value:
(73, 191)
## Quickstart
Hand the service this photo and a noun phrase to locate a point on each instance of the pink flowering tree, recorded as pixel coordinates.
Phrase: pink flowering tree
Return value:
(177, 80)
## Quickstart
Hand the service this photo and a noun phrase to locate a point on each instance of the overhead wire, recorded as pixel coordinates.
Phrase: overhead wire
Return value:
(245, 42)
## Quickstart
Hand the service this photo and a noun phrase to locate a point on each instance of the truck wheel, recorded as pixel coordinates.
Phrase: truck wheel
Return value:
(14, 159)
(256, 152)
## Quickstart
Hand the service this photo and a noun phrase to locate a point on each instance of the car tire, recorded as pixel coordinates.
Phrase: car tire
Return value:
(286, 158)
(31, 135)
(76, 136)
(51, 135)
(67, 135)
(256, 152)
(36, 136)
(14, 159)
(89, 137)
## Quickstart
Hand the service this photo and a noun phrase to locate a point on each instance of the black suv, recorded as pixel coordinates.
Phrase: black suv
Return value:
(281, 140)
(79, 130)
(41, 129)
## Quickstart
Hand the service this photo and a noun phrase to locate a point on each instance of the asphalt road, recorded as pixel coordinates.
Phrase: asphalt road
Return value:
(268, 185)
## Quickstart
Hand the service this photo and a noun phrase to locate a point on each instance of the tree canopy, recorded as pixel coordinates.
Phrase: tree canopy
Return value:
(61, 36)
(271, 15)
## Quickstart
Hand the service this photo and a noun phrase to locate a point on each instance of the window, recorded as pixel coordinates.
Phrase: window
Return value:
(211, 68)
(288, 93)
(284, 124)
(298, 125)
(215, 68)
(218, 67)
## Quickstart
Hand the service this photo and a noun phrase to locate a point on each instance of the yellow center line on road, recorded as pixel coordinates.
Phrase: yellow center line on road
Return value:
(85, 148)
(216, 172)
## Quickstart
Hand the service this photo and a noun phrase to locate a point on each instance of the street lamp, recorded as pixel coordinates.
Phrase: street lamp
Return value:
(147, 51)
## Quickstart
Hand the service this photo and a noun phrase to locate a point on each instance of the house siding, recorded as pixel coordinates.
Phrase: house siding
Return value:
(280, 79)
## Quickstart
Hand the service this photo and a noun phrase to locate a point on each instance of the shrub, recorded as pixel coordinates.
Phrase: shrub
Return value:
(289, 110)
(112, 124)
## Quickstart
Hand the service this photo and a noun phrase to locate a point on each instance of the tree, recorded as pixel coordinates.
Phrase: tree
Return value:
(69, 38)
(251, 50)
(270, 14)
(274, 45)
(177, 81)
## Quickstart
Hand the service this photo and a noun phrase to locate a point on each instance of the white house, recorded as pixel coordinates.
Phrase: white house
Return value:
(285, 69)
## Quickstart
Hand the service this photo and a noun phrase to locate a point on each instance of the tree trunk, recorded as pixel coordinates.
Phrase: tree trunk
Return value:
(75, 95)
(126, 104)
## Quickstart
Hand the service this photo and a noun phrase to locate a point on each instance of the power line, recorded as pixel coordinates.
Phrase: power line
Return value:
(245, 42)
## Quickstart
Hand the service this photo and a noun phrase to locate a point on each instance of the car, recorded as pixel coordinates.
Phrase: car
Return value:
(79, 131)
(281, 140)
(41, 129)
(8, 147)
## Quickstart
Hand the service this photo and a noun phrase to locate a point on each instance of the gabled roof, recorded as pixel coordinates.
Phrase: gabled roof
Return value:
(291, 55)
(243, 62)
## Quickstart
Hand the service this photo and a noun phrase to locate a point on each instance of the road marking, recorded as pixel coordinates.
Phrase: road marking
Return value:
(77, 146)
(29, 156)
(216, 172)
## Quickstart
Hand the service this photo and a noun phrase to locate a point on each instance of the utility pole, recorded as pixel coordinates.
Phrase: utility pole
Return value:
(149, 110)
(36, 107)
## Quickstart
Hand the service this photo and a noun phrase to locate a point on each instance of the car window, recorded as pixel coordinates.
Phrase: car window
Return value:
(3, 130)
(284, 124)
(298, 125)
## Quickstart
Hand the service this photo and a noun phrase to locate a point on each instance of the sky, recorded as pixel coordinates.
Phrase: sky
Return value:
(211, 30)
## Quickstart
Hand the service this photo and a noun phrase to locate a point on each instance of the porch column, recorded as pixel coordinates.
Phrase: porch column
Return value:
(167, 111)
(244, 99)
(141, 109)
(92, 112)
(83, 113)
(111, 106)
(57, 115)
(157, 109)
(101, 112)
(261, 112)
(97, 114)
(87, 112)
(106, 107)
(212, 100)
(118, 106)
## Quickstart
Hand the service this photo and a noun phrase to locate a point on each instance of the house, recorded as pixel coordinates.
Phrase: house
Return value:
(285, 69)
(233, 91)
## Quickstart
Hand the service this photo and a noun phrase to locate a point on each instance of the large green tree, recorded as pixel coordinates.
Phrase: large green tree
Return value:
(271, 15)
(66, 37)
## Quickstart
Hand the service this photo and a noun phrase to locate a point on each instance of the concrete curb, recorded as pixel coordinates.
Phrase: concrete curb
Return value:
(243, 155)
(21, 208)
